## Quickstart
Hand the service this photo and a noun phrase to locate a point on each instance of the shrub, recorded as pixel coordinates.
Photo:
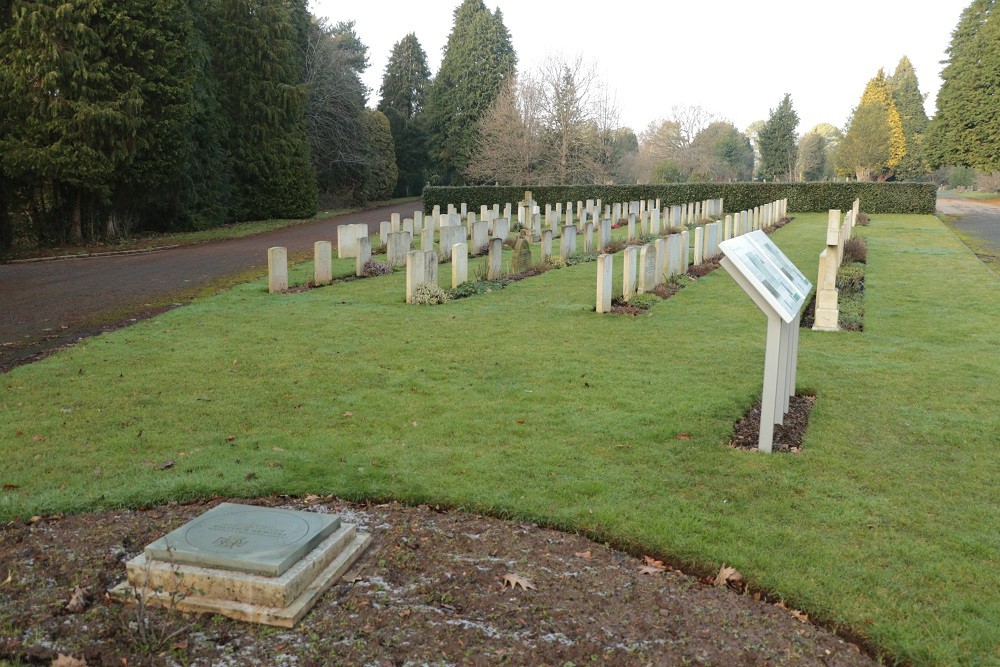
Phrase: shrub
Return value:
(474, 287)
(644, 301)
(855, 250)
(813, 196)
(862, 220)
(375, 268)
(581, 258)
(429, 295)
(614, 246)
(851, 278)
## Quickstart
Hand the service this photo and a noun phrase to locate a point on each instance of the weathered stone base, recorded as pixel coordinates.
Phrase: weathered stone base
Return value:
(246, 597)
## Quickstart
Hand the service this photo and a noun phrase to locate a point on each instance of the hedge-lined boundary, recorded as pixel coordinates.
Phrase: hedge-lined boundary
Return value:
(802, 197)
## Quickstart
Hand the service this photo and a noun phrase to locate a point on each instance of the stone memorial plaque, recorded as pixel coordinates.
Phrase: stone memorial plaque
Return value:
(255, 540)
(770, 272)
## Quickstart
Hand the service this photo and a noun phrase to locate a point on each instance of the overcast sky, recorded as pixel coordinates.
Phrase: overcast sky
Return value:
(736, 58)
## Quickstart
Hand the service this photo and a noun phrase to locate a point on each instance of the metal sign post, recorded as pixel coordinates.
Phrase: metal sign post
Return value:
(780, 290)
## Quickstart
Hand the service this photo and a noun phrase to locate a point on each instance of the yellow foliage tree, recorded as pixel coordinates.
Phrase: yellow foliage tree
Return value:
(877, 91)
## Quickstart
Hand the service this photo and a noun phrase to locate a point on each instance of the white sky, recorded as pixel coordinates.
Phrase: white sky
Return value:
(736, 58)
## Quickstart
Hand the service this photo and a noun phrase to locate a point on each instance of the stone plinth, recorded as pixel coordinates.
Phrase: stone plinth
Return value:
(256, 564)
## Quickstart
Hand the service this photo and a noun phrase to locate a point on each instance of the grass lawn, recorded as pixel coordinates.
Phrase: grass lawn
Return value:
(526, 403)
(234, 230)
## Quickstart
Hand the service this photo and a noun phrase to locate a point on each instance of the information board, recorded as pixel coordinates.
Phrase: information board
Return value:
(770, 272)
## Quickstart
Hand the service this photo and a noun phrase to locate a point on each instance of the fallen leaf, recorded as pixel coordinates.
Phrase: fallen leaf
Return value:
(166, 465)
(347, 414)
(353, 579)
(180, 645)
(583, 554)
(729, 576)
(311, 498)
(515, 580)
(36, 519)
(230, 437)
(77, 601)
(277, 449)
(799, 615)
(404, 613)
(520, 421)
(10, 487)
(683, 436)
(652, 562)
(651, 569)
(38, 438)
(68, 661)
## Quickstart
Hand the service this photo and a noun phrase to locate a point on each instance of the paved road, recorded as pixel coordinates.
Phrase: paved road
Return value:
(975, 218)
(46, 305)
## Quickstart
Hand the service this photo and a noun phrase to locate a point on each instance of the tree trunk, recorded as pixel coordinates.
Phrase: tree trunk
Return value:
(76, 226)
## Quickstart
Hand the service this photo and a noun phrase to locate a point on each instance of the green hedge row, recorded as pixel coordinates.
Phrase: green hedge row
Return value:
(875, 197)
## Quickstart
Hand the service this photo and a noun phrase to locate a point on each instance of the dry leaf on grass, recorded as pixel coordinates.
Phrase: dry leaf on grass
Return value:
(583, 554)
(683, 436)
(515, 580)
(729, 576)
(77, 601)
(652, 566)
(68, 661)
(794, 612)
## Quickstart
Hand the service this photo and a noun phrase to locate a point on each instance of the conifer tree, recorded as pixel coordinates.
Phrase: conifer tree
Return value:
(382, 176)
(478, 59)
(966, 127)
(776, 142)
(909, 103)
(866, 148)
(877, 91)
(254, 59)
(72, 107)
(404, 87)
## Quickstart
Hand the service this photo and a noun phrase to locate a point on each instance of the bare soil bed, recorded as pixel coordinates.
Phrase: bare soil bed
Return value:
(435, 587)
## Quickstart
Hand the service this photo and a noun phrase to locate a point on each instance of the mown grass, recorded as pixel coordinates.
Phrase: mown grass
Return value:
(525, 403)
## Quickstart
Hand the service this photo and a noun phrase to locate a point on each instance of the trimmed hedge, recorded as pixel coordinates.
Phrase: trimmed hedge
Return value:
(875, 197)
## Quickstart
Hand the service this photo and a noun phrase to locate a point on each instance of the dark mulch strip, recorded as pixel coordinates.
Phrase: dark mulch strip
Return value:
(429, 590)
(787, 436)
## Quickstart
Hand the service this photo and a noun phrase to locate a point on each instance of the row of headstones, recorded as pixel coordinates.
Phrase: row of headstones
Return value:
(645, 267)
(838, 232)
(277, 263)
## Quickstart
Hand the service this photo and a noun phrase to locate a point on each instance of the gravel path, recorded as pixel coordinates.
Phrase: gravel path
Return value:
(47, 305)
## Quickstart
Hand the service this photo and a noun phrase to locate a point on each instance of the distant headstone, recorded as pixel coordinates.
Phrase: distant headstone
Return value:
(674, 255)
(588, 238)
(567, 244)
(277, 269)
(396, 248)
(685, 251)
(699, 244)
(546, 252)
(521, 259)
(660, 245)
(459, 264)
(364, 255)
(322, 263)
(495, 260)
(427, 240)
(384, 229)
(431, 267)
(480, 236)
(605, 268)
(416, 272)
(647, 268)
(630, 267)
(450, 236)
(605, 235)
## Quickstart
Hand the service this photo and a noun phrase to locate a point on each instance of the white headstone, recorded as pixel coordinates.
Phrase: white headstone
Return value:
(322, 263)
(277, 269)
(605, 269)
(495, 266)
(459, 264)
(629, 271)
(364, 255)
(647, 268)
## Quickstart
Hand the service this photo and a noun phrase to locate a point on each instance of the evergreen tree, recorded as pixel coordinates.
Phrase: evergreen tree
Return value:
(966, 128)
(404, 86)
(866, 148)
(877, 91)
(382, 176)
(254, 60)
(776, 142)
(909, 102)
(811, 157)
(72, 107)
(478, 59)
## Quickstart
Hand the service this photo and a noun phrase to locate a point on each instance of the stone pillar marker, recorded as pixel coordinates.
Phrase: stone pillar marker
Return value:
(364, 255)
(459, 264)
(277, 269)
(605, 268)
(495, 259)
(546, 253)
(588, 238)
(416, 269)
(685, 251)
(647, 268)
(630, 262)
(661, 260)
(322, 263)
(699, 244)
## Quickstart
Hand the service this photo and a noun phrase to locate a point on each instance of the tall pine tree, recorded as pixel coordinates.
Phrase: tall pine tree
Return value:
(909, 103)
(966, 128)
(776, 142)
(404, 87)
(254, 57)
(478, 58)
